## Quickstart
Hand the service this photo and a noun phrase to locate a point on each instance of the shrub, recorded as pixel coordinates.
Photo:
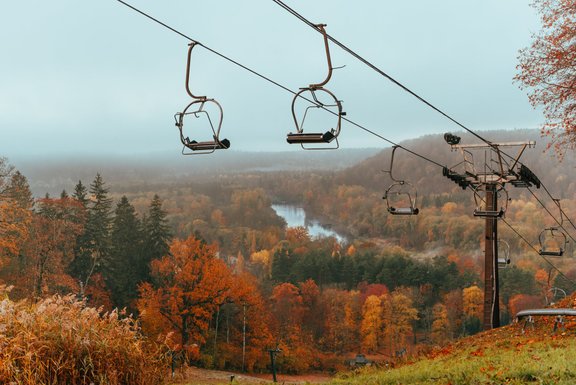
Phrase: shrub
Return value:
(61, 341)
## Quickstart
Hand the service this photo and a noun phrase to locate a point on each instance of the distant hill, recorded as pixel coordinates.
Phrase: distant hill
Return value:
(53, 175)
(426, 176)
(349, 166)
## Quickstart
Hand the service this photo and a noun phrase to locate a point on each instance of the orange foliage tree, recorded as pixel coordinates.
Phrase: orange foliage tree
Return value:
(15, 211)
(473, 301)
(16, 205)
(371, 326)
(247, 333)
(50, 248)
(440, 323)
(548, 69)
(189, 285)
(399, 316)
(296, 343)
(14, 227)
(523, 301)
(454, 311)
(341, 310)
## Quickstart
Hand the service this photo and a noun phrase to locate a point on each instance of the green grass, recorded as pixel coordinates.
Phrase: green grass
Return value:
(521, 362)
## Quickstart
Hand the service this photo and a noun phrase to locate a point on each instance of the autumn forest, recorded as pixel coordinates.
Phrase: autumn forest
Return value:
(211, 269)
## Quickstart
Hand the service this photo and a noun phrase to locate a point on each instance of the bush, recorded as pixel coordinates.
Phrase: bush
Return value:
(61, 341)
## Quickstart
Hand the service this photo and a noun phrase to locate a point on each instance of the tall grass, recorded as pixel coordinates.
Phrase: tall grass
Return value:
(61, 341)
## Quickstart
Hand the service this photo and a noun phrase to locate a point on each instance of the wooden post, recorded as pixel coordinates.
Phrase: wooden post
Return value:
(491, 292)
(243, 337)
(273, 353)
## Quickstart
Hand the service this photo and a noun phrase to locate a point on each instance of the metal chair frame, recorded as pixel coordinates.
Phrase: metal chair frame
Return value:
(197, 109)
(308, 138)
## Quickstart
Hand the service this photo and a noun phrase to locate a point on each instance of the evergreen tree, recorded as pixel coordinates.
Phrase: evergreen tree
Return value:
(94, 248)
(282, 263)
(82, 247)
(156, 232)
(127, 267)
(81, 193)
(18, 189)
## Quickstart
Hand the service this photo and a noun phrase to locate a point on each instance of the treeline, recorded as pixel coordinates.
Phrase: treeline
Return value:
(80, 243)
(214, 272)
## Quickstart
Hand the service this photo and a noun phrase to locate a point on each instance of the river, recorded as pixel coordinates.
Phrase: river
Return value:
(296, 216)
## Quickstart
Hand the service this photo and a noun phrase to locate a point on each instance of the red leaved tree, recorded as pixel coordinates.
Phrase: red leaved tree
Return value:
(189, 286)
(548, 69)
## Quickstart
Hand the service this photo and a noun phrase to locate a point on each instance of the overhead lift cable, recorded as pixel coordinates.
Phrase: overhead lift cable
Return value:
(343, 118)
(417, 96)
(277, 84)
(537, 251)
(386, 75)
(381, 72)
(562, 212)
(562, 215)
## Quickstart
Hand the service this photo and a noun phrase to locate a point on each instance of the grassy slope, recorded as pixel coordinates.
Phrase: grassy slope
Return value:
(501, 356)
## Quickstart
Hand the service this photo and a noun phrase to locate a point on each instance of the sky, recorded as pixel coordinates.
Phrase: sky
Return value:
(95, 78)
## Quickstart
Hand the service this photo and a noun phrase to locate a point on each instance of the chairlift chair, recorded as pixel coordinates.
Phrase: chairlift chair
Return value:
(554, 294)
(401, 192)
(401, 196)
(322, 138)
(482, 212)
(503, 254)
(197, 109)
(552, 242)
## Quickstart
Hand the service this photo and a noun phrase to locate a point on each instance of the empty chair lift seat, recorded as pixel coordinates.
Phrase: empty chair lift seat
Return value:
(310, 137)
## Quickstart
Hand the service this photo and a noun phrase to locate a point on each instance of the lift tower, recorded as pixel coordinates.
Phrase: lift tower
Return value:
(488, 180)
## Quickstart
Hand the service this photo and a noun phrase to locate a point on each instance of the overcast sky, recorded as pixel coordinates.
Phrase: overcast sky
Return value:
(94, 77)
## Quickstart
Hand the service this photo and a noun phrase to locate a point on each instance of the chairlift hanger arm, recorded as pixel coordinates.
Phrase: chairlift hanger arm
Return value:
(557, 202)
(394, 148)
(320, 27)
(190, 48)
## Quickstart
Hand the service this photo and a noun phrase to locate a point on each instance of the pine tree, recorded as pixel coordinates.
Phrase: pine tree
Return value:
(81, 193)
(82, 246)
(19, 190)
(156, 231)
(94, 249)
(127, 267)
(282, 263)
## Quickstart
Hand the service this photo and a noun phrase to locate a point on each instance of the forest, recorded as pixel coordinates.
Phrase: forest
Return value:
(207, 265)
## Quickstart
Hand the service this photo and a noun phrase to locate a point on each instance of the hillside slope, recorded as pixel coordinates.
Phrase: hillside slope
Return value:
(512, 354)
(556, 175)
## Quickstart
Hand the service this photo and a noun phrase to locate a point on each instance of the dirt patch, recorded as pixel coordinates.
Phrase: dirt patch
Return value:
(197, 376)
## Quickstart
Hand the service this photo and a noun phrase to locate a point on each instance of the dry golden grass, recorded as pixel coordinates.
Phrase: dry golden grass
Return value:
(61, 341)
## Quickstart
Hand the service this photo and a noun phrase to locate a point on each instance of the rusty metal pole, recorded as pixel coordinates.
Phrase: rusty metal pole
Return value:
(491, 291)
